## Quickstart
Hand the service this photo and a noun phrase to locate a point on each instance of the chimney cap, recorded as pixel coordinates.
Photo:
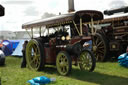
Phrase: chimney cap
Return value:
(71, 6)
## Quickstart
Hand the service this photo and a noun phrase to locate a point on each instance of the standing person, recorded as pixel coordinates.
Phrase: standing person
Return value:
(23, 64)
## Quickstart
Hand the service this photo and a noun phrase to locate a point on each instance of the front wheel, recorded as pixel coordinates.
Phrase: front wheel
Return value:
(87, 60)
(63, 63)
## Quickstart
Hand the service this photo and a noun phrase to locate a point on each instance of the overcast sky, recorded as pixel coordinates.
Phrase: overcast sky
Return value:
(18, 12)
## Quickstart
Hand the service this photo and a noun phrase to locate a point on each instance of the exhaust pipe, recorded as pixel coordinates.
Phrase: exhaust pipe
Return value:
(71, 6)
(111, 12)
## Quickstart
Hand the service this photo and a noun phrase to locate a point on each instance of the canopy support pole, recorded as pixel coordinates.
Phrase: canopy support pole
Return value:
(81, 31)
(32, 32)
(40, 31)
(28, 33)
(76, 27)
(92, 30)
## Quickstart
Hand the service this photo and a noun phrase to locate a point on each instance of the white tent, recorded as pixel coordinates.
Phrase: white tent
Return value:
(18, 50)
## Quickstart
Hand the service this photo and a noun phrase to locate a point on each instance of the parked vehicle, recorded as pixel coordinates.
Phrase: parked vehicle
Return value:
(111, 39)
(2, 58)
(61, 43)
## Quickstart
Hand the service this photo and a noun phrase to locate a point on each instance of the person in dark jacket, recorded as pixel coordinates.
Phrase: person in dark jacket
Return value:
(23, 64)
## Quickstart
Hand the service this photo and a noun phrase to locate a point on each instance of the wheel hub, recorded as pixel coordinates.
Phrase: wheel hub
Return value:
(94, 48)
(62, 64)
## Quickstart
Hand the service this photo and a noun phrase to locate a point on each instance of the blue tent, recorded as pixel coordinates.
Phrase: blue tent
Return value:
(10, 47)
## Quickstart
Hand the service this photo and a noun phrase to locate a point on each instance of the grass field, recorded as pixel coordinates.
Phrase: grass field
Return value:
(108, 73)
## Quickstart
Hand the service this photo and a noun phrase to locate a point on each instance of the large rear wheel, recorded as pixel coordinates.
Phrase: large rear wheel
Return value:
(35, 55)
(63, 63)
(87, 60)
(100, 47)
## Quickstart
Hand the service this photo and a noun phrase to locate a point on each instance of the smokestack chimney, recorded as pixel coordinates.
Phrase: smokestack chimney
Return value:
(71, 6)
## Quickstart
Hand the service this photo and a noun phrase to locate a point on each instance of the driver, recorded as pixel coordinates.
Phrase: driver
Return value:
(87, 44)
(85, 30)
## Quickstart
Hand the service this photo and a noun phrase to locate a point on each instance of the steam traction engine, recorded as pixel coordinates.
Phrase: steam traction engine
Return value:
(60, 42)
(112, 37)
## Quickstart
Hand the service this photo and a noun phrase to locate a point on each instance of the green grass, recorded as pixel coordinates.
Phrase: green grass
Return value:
(108, 73)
